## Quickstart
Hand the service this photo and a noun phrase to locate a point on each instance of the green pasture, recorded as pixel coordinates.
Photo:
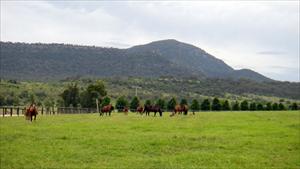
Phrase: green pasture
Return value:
(206, 140)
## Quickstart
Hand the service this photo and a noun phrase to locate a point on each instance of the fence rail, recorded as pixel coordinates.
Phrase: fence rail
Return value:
(20, 110)
(75, 110)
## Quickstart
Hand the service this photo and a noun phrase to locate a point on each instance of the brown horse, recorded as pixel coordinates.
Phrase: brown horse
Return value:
(140, 109)
(107, 110)
(155, 109)
(180, 109)
(125, 110)
(31, 111)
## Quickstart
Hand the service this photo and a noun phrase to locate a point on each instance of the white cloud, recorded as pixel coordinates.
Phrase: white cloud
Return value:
(237, 32)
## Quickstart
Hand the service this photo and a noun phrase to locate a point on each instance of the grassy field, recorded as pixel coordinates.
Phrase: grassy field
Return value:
(206, 140)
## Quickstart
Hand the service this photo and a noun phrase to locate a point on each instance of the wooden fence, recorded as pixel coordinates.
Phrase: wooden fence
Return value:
(20, 110)
(75, 110)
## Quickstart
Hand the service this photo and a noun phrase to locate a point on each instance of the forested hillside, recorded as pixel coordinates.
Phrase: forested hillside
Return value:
(46, 62)
(19, 93)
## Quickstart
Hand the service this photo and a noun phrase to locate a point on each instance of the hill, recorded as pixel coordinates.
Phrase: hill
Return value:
(161, 58)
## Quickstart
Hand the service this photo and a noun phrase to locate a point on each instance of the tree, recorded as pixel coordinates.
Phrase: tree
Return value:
(294, 106)
(275, 106)
(148, 102)
(225, 105)
(32, 98)
(205, 105)
(171, 104)
(105, 101)
(268, 106)
(2, 100)
(183, 102)
(281, 106)
(135, 102)
(195, 106)
(160, 103)
(259, 106)
(121, 103)
(236, 106)
(216, 105)
(244, 105)
(252, 106)
(71, 96)
(94, 91)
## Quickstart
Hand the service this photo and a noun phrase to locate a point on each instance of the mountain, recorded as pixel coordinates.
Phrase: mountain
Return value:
(161, 58)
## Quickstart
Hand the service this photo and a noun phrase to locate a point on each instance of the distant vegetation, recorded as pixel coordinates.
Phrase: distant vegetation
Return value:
(165, 92)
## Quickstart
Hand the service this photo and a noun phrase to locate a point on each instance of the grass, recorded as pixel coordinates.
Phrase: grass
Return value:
(206, 140)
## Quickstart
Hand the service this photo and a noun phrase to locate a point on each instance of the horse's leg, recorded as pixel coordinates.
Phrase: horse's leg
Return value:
(34, 117)
(154, 113)
(31, 117)
(109, 113)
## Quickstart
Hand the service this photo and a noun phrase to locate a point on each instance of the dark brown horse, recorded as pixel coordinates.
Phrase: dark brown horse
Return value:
(180, 109)
(107, 110)
(30, 112)
(150, 108)
(140, 109)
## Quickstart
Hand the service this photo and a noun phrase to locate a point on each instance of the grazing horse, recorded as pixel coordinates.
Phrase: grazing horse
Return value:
(31, 111)
(155, 109)
(125, 110)
(106, 109)
(140, 109)
(179, 109)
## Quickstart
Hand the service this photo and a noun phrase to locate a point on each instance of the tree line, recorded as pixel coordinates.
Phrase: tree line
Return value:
(72, 97)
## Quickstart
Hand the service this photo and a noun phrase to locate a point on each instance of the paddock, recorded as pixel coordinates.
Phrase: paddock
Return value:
(260, 139)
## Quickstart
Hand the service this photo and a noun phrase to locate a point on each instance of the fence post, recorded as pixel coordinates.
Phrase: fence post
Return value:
(18, 109)
(11, 111)
(3, 112)
(42, 110)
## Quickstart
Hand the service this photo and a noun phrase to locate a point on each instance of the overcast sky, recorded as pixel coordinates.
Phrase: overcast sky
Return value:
(262, 36)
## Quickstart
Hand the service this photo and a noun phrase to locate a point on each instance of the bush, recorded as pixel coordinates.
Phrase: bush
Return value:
(171, 104)
(216, 105)
(195, 106)
(294, 106)
(281, 106)
(205, 105)
(225, 105)
(160, 103)
(236, 106)
(275, 106)
(244, 105)
(259, 106)
(121, 103)
(135, 102)
(252, 106)
(105, 101)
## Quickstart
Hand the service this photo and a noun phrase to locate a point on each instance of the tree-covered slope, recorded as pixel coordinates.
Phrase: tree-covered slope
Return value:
(161, 58)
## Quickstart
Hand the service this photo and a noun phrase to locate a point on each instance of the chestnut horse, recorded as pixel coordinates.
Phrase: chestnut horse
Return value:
(31, 111)
(106, 109)
(125, 110)
(179, 109)
(140, 109)
(155, 109)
